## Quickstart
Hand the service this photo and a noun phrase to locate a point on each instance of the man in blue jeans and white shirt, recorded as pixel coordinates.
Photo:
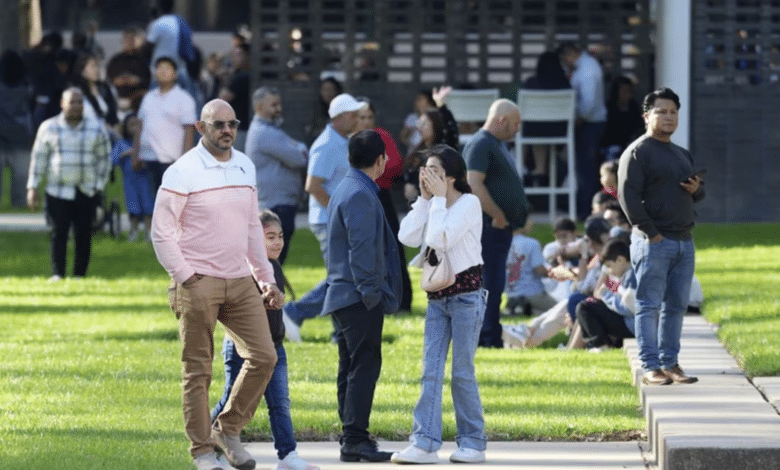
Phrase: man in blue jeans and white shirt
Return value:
(328, 165)
(657, 187)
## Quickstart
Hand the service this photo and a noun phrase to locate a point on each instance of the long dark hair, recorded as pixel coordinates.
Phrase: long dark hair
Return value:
(453, 164)
(549, 72)
(339, 90)
(417, 155)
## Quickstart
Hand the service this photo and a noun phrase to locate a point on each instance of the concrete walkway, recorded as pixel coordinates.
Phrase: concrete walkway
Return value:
(505, 455)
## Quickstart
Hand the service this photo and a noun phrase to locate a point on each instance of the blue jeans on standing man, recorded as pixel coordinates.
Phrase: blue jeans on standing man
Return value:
(495, 249)
(277, 396)
(457, 319)
(664, 271)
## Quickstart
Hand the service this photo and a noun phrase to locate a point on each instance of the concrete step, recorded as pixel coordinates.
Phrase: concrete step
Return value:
(721, 422)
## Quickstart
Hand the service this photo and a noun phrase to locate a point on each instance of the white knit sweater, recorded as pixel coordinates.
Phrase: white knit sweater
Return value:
(456, 230)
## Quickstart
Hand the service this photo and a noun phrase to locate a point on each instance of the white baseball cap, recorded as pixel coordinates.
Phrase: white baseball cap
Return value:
(344, 103)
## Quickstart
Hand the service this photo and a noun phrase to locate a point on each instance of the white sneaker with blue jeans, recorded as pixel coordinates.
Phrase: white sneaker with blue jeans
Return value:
(467, 455)
(414, 454)
(293, 462)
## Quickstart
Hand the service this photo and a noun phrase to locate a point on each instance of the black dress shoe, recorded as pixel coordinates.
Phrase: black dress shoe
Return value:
(366, 450)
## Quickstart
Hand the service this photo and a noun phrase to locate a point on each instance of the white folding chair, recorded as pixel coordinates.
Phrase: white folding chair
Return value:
(470, 106)
(550, 106)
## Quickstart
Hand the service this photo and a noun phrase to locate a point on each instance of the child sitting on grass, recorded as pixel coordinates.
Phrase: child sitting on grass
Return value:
(608, 316)
(277, 395)
(525, 270)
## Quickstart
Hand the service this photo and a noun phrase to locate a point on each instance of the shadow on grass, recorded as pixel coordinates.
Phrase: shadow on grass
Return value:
(70, 309)
(162, 335)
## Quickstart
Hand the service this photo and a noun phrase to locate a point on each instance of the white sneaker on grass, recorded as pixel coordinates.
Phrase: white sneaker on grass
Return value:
(207, 461)
(414, 454)
(291, 329)
(515, 336)
(293, 462)
(467, 455)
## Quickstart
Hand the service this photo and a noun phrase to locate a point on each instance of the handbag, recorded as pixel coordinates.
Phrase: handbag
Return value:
(437, 274)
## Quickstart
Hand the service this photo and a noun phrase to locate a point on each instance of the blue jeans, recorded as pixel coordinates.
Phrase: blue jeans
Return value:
(310, 305)
(495, 249)
(455, 319)
(277, 396)
(663, 272)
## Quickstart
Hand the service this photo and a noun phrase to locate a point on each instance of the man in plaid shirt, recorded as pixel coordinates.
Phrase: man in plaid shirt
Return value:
(72, 153)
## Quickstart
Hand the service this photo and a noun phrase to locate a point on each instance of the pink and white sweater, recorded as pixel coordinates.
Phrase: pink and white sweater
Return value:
(206, 219)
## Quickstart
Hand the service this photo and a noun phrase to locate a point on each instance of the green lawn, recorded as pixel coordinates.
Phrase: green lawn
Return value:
(90, 370)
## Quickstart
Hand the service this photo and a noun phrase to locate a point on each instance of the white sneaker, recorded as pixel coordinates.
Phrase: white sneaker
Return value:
(234, 451)
(515, 336)
(599, 349)
(55, 278)
(291, 329)
(466, 455)
(294, 462)
(414, 454)
(207, 462)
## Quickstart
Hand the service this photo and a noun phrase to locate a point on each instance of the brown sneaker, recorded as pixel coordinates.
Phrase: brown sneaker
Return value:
(656, 377)
(678, 376)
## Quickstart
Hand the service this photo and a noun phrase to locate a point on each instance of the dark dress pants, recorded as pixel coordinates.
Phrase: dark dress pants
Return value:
(586, 142)
(495, 249)
(359, 338)
(63, 213)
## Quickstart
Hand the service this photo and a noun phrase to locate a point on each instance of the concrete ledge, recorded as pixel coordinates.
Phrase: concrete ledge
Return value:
(725, 452)
(721, 422)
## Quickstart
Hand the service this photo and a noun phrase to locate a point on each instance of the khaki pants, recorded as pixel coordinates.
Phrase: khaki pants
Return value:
(237, 304)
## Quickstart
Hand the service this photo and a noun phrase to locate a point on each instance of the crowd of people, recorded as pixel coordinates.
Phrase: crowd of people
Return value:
(198, 154)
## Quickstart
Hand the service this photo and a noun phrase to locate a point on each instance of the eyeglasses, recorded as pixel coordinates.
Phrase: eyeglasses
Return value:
(220, 124)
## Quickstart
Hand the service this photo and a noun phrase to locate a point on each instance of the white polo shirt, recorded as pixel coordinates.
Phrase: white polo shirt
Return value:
(164, 116)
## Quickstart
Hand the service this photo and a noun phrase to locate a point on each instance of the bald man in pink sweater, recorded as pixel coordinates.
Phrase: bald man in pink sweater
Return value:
(207, 234)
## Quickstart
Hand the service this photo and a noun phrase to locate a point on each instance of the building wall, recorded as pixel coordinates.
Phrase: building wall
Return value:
(735, 122)
(389, 49)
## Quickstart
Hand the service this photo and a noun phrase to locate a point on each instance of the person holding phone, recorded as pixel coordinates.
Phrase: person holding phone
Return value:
(657, 189)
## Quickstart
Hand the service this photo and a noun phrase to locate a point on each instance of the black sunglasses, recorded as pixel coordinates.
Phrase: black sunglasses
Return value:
(220, 124)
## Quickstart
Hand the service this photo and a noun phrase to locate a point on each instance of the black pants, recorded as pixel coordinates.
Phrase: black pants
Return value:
(359, 337)
(62, 213)
(156, 171)
(600, 325)
(392, 218)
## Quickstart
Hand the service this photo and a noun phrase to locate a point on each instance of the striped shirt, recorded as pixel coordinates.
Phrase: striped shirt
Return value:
(70, 157)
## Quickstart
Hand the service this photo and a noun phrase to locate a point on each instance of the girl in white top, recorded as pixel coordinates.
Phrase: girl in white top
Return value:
(448, 219)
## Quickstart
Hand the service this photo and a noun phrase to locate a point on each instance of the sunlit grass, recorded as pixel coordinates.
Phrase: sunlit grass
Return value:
(91, 368)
